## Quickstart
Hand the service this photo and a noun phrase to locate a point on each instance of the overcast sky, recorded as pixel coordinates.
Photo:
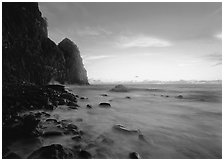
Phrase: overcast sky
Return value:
(142, 41)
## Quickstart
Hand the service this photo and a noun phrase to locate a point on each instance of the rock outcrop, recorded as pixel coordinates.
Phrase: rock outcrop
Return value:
(75, 71)
(29, 55)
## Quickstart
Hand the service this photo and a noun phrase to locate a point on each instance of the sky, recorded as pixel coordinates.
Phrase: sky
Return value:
(164, 41)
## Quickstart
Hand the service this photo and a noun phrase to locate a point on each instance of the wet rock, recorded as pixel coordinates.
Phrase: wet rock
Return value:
(105, 95)
(134, 155)
(128, 97)
(119, 88)
(89, 106)
(11, 155)
(52, 133)
(52, 120)
(180, 97)
(73, 107)
(83, 98)
(76, 137)
(54, 151)
(104, 104)
(124, 129)
(167, 96)
(71, 103)
(71, 126)
(81, 132)
(61, 101)
(56, 87)
(30, 123)
(46, 114)
(69, 96)
(50, 107)
(84, 155)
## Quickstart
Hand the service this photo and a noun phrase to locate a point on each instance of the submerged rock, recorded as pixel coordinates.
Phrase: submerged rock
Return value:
(119, 88)
(76, 137)
(104, 104)
(89, 106)
(124, 129)
(83, 98)
(54, 151)
(180, 97)
(134, 155)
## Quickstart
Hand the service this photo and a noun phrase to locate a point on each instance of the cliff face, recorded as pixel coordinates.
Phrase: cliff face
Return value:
(27, 52)
(75, 71)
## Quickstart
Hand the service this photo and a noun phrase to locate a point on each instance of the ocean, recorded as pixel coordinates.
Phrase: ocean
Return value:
(170, 127)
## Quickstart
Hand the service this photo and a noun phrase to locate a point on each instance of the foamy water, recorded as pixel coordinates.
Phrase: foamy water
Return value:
(172, 128)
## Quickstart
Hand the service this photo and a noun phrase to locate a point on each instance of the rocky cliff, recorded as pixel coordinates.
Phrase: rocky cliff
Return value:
(75, 71)
(29, 55)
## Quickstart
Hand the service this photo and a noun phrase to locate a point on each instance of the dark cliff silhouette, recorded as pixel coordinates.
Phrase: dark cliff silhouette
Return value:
(29, 55)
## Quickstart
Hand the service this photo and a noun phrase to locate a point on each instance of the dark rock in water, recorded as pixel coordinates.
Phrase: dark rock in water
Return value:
(104, 104)
(75, 72)
(30, 123)
(52, 133)
(128, 97)
(69, 96)
(180, 97)
(119, 88)
(50, 107)
(57, 87)
(89, 106)
(167, 96)
(52, 120)
(104, 95)
(54, 151)
(46, 114)
(71, 104)
(134, 155)
(11, 155)
(76, 137)
(124, 129)
(61, 101)
(73, 107)
(84, 155)
(71, 126)
(83, 98)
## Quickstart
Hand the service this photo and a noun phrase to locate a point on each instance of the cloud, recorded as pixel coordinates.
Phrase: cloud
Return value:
(93, 31)
(215, 58)
(141, 41)
(97, 57)
(218, 36)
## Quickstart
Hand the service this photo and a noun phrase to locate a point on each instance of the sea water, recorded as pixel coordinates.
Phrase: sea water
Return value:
(190, 127)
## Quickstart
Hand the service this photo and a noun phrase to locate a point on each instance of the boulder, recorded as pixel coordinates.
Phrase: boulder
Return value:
(84, 155)
(104, 104)
(54, 151)
(89, 106)
(180, 97)
(134, 155)
(119, 88)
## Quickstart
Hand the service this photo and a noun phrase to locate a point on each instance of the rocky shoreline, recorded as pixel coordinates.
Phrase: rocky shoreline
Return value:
(26, 114)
